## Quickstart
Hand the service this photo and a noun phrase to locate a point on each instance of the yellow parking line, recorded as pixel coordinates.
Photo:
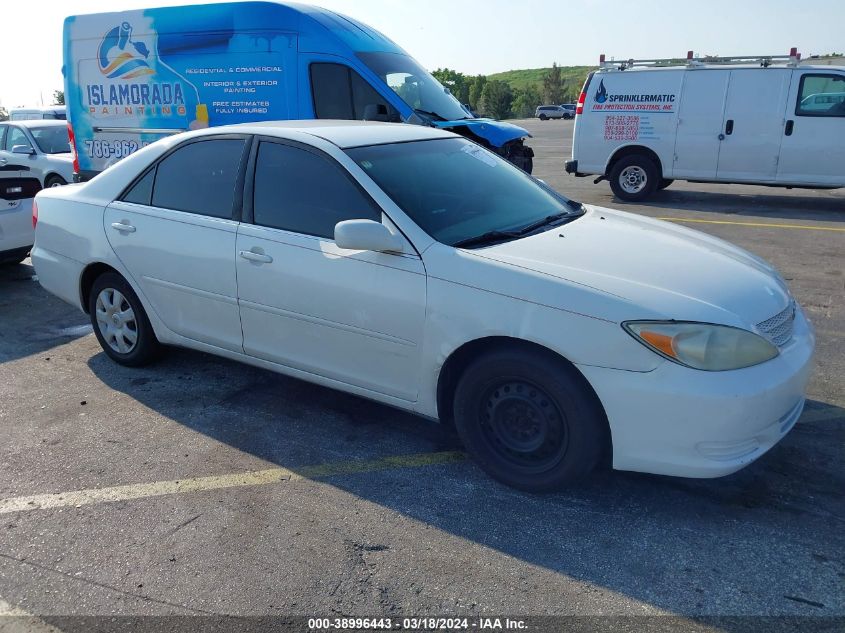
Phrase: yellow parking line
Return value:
(79, 498)
(758, 224)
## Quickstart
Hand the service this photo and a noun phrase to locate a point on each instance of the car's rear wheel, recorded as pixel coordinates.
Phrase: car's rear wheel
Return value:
(529, 420)
(634, 178)
(55, 181)
(120, 322)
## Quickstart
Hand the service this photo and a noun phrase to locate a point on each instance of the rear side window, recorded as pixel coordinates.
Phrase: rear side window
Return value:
(142, 191)
(821, 95)
(199, 178)
(341, 93)
(300, 191)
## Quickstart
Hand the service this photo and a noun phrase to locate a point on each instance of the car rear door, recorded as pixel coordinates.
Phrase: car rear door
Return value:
(175, 231)
(813, 147)
(352, 316)
(753, 124)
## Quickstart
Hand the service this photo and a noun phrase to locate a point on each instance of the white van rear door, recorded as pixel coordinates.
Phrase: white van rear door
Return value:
(700, 123)
(753, 124)
(813, 147)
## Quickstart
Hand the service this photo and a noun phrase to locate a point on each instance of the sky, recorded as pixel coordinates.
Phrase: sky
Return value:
(482, 36)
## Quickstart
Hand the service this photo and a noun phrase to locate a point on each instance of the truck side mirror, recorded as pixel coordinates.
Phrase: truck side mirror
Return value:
(376, 112)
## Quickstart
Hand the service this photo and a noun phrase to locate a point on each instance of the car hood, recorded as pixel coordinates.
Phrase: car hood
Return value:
(497, 133)
(661, 270)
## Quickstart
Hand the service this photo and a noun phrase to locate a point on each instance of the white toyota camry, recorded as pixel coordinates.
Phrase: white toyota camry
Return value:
(413, 267)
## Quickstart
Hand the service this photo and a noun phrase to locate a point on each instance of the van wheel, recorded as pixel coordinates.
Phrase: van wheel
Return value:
(543, 117)
(634, 177)
(120, 322)
(55, 181)
(529, 420)
(664, 182)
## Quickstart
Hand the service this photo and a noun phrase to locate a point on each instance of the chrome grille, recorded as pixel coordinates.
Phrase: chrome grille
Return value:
(778, 329)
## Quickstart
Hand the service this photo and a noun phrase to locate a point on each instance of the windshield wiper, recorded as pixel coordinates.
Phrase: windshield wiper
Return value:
(487, 238)
(430, 114)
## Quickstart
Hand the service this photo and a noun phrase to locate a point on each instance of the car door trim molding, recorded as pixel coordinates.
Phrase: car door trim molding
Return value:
(205, 294)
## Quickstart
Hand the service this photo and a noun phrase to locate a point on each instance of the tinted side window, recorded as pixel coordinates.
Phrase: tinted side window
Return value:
(341, 93)
(300, 191)
(200, 178)
(3, 129)
(821, 95)
(142, 191)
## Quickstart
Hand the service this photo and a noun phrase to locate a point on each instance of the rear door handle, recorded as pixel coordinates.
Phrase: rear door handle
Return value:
(729, 127)
(256, 257)
(123, 227)
(789, 127)
(3, 161)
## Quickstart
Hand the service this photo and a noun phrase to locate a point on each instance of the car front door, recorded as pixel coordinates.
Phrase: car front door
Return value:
(351, 316)
(753, 124)
(813, 148)
(175, 230)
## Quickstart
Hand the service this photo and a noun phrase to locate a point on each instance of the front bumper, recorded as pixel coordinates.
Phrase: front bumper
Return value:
(688, 423)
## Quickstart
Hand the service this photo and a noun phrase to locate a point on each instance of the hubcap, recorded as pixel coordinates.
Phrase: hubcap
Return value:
(633, 179)
(523, 425)
(116, 321)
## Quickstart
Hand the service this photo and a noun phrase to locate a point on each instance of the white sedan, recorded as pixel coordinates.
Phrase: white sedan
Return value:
(409, 265)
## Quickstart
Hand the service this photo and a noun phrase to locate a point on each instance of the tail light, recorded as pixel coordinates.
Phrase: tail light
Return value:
(579, 109)
(73, 153)
(34, 214)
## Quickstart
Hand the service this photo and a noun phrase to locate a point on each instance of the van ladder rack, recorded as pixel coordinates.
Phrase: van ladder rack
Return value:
(691, 61)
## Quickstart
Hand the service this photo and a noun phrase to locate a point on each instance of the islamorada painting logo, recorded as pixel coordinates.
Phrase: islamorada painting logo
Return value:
(129, 89)
(120, 57)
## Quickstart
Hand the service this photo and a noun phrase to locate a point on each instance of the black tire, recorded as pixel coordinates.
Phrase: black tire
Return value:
(530, 420)
(629, 167)
(15, 257)
(664, 182)
(146, 347)
(54, 180)
(543, 117)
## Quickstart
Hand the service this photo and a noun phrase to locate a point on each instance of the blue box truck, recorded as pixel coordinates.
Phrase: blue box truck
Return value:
(132, 77)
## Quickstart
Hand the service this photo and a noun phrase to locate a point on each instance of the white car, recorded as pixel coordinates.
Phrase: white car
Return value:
(16, 234)
(409, 265)
(39, 148)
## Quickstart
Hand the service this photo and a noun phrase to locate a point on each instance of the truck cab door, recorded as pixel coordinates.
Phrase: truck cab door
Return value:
(752, 128)
(813, 132)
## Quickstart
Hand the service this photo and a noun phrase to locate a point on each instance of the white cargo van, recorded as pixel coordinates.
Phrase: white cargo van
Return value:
(770, 121)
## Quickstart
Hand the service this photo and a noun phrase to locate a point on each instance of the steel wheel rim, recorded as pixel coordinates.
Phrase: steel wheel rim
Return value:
(523, 425)
(633, 179)
(116, 321)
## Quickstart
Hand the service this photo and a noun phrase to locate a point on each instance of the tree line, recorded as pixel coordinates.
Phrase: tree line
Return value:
(498, 99)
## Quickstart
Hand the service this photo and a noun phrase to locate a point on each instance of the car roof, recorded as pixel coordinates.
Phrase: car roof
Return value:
(37, 122)
(343, 134)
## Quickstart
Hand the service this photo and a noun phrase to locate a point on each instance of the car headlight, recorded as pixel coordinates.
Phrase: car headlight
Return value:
(702, 345)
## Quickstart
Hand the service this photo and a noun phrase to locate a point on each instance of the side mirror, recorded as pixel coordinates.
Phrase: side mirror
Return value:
(366, 235)
(376, 112)
(23, 149)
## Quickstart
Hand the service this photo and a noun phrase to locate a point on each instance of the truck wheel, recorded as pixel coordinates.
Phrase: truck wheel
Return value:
(529, 420)
(664, 182)
(120, 322)
(634, 178)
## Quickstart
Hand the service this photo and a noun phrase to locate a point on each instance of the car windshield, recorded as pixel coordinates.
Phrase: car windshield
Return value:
(457, 191)
(52, 139)
(415, 85)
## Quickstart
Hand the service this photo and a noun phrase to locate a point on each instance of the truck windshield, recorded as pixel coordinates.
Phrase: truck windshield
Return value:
(460, 193)
(415, 86)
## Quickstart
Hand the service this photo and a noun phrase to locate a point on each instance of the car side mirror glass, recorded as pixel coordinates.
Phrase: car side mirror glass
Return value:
(366, 235)
(22, 149)
(376, 112)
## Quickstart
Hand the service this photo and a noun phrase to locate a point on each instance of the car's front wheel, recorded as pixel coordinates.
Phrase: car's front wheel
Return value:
(529, 420)
(120, 322)
(543, 117)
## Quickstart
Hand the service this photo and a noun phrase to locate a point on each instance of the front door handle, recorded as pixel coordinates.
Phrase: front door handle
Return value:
(123, 227)
(729, 127)
(789, 127)
(256, 257)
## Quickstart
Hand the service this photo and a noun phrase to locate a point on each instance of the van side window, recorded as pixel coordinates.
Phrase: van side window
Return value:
(821, 95)
(16, 136)
(341, 93)
(300, 191)
(200, 178)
